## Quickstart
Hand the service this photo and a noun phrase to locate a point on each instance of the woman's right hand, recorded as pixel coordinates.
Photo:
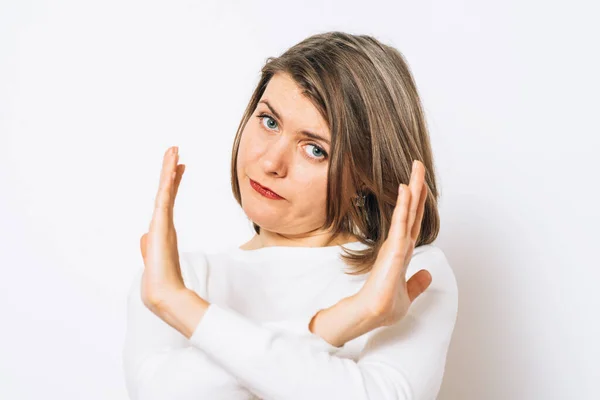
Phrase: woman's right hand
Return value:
(162, 272)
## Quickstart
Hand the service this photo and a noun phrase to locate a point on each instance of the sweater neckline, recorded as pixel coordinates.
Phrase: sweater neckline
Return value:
(294, 252)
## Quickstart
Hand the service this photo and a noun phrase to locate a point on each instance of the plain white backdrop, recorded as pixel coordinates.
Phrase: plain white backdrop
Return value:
(92, 94)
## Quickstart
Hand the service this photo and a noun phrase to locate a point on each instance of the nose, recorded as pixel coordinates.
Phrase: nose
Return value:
(276, 157)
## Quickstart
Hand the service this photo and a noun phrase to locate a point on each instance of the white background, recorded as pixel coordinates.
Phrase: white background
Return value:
(92, 94)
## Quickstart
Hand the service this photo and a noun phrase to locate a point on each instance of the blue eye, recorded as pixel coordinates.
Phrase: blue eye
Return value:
(262, 116)
(321, 153)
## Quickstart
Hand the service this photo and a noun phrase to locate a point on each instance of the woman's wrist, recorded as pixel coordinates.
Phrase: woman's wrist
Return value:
(344, 321)
(183, 309)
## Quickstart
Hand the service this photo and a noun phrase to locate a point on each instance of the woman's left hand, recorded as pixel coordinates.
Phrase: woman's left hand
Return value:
(386, 293)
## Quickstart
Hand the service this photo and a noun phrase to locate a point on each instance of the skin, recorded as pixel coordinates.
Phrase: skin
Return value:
(274, 153)
(278, 159)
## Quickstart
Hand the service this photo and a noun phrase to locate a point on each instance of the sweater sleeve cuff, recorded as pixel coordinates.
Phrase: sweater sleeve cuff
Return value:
(219, 326)
(300, 326)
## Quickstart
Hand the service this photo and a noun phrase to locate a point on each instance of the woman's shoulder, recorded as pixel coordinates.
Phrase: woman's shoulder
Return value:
(432, 258)
(430, 253)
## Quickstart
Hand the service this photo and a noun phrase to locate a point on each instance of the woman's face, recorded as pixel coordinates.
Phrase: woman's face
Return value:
(276, 153)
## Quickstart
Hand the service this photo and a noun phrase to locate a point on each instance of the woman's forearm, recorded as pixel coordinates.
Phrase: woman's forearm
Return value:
(182, 309)
(344, 321)
(338, 324)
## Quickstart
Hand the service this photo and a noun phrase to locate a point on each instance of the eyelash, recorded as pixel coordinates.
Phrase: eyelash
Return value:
(325, 155)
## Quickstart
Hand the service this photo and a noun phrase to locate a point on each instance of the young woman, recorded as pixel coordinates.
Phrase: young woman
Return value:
(332, 164)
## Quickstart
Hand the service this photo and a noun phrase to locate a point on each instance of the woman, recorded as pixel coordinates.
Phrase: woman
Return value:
(332, 164)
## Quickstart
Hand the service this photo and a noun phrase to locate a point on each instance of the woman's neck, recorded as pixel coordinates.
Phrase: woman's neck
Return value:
(270, 239)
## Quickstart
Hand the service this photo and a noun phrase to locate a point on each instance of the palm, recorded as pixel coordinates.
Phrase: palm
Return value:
(159, 245)
(387, 292)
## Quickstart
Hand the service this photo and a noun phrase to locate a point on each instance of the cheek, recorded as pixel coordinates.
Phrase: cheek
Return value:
(313, 206)
(312, 187)
(243, 154)
(311, 177)
(250, 147)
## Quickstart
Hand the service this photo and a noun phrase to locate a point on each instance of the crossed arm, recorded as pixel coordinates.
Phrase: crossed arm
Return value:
(230, 356)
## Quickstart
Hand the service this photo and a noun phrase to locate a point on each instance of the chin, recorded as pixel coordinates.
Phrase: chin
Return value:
(262, 215)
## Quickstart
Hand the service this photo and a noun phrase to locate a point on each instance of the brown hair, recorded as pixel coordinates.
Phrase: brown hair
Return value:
(365, 91)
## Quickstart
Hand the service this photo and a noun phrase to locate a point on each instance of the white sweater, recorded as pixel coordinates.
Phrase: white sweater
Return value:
(254, 342)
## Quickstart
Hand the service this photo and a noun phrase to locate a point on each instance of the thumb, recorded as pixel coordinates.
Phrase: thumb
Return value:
(143, 245)
(418, 283)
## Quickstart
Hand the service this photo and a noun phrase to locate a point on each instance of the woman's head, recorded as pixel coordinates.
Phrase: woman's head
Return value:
(359, 96)
(276, 151)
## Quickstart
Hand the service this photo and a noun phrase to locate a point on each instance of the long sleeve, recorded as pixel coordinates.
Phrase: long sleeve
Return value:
(402, 361)
(160, 363)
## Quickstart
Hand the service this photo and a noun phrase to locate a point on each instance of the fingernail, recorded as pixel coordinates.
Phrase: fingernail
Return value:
(400, 189)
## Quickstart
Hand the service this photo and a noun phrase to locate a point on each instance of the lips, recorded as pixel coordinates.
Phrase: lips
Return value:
(266, 190)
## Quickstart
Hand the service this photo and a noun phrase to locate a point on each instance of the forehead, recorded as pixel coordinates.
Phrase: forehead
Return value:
(285, 96)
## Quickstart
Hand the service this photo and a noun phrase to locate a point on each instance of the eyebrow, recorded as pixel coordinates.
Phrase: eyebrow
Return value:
(304, 132)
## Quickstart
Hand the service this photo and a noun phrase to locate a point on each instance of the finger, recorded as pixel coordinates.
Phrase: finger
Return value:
(164, 199)
(416, 229)
(174, 183)
(143, 241)
(416, 182)
(400, 216)
(166, 172)
(418, 283)
(180, 171)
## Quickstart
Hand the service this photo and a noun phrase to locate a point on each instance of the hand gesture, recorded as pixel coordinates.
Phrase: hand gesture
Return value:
(386, 292)
(162, 272)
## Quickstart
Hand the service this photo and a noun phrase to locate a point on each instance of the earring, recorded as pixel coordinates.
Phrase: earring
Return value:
(359, 200)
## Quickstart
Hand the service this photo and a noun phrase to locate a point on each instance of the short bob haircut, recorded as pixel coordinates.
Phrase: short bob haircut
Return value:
(365, 92)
